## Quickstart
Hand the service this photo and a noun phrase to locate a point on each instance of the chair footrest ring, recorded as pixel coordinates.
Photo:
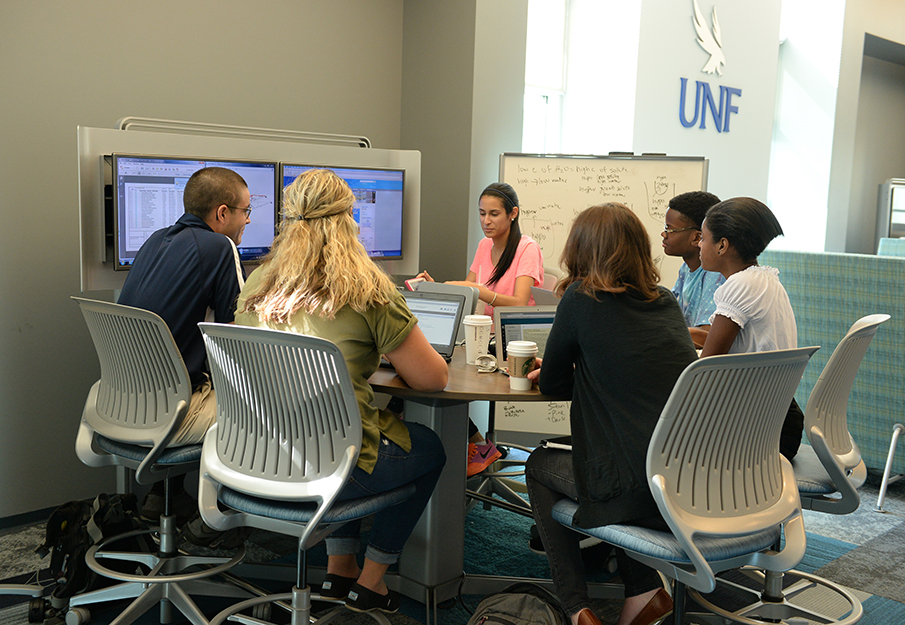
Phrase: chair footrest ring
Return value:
(164, 569)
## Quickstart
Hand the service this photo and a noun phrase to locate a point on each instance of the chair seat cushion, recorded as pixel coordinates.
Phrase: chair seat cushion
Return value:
(663, 545)
(171, 456)
(812, 478)
(302, 512)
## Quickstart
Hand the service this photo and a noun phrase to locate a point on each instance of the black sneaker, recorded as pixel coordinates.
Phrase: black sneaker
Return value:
(199, 533)
(183, 507)
(361, 599)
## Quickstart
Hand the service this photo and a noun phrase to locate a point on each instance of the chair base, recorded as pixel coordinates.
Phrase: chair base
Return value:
(297, 603)
(169, 583)
(781, 609)
(502, 487)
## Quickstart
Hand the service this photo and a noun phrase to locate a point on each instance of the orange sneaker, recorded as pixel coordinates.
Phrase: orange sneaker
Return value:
(481, 456)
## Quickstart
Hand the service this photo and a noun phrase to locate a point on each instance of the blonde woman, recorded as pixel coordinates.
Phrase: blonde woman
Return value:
(318, 280)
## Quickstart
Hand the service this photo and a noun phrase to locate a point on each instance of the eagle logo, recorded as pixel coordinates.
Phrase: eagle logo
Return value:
(710, 40)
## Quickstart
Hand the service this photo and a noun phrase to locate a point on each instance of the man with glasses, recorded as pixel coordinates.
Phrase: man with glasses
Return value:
(187, 273)
(694, 287)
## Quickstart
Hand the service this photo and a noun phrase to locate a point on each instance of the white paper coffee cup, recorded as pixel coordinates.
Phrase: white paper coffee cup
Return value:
(521, 355)
(477, 336)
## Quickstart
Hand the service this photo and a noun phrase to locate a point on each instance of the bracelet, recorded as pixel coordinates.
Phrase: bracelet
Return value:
(493, 300)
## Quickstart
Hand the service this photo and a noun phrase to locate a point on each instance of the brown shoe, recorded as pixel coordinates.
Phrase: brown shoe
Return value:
(586, 617)
(656, 610)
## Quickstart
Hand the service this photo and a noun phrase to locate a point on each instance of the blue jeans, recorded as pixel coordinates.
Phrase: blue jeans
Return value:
(392, 526)
(549, 476)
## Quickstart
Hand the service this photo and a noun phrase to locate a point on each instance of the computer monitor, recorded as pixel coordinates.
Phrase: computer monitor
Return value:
(378, 204)
(522, 323)
(147, 196)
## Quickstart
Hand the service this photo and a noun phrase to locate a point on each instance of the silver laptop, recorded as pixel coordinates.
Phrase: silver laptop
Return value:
(543, 297)
(439, 316)
(471, 299)
(522, 323)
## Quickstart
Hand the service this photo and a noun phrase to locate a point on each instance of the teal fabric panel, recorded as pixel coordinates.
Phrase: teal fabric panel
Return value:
(891, 247)
(829, 292)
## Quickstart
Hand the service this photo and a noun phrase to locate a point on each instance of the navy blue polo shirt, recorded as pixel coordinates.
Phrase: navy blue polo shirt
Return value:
(181, 272)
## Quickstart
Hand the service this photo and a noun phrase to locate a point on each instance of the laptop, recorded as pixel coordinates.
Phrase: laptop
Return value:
(471, 299)
(522, 323)
(439, 316)
(543, 297)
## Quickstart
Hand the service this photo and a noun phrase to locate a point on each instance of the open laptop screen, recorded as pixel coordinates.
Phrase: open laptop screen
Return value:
(439, 315)
(522, 323)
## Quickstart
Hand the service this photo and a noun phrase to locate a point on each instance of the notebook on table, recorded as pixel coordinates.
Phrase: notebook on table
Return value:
(439, 316)
(522, 323)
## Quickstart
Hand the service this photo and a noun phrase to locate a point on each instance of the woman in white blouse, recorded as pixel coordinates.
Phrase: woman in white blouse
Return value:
(753, 312)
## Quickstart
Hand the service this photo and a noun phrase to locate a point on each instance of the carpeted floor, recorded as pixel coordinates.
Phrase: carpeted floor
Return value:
(864, 551)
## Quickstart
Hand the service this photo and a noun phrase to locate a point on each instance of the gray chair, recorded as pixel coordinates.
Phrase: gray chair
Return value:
(715, 471)
(287, 437)
(131, 415)
(830, 470)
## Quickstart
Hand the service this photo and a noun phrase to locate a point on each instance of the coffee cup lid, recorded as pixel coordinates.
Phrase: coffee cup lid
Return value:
(522, 347)
(477, 320)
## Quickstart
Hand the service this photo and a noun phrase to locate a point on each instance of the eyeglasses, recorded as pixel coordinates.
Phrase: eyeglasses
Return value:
(237, 208)
(667, 230)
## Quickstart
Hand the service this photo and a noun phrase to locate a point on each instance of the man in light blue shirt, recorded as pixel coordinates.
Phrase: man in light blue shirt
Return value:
(694, 287)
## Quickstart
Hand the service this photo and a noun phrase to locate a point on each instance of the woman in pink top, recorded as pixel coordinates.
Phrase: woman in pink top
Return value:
(505, 267)
(507, 263)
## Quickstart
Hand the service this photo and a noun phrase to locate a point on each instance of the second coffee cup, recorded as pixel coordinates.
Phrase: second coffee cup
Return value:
(477, 336)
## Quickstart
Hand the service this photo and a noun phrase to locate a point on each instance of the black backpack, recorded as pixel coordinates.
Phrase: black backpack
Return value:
(520, 604)
(76, 526)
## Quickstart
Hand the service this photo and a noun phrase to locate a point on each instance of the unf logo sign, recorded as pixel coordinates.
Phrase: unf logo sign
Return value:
(711, 41)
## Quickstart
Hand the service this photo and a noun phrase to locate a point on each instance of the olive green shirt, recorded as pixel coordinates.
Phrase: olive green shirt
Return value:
(362, 338)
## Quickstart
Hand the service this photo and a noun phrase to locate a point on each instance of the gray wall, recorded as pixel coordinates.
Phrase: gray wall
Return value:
(850, 219)
(322, 65)
(336, 66)
(879, 144)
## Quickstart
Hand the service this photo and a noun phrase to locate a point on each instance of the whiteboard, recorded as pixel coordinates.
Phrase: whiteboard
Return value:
(554, 188)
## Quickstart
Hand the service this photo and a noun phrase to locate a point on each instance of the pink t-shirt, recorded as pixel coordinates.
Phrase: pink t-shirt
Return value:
(528, 261)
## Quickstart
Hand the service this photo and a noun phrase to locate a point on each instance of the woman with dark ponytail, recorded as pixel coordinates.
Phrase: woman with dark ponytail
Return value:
(507, 263)
(505, 267)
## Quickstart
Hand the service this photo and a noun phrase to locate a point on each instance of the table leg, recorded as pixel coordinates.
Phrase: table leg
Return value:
(434, 553)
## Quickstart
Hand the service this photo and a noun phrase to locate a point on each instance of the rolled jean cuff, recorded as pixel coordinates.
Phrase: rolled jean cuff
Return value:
(380, 557)
(343, 546)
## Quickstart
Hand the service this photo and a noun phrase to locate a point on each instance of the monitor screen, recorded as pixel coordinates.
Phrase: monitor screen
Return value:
(378, 205)
(147, 196)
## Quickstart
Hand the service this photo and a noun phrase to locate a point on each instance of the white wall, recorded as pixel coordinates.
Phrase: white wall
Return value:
(805, 115)
(322, 65)
(739, 158)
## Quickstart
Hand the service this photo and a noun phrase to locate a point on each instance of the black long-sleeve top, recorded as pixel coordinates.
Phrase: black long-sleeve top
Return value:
(618, 358)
